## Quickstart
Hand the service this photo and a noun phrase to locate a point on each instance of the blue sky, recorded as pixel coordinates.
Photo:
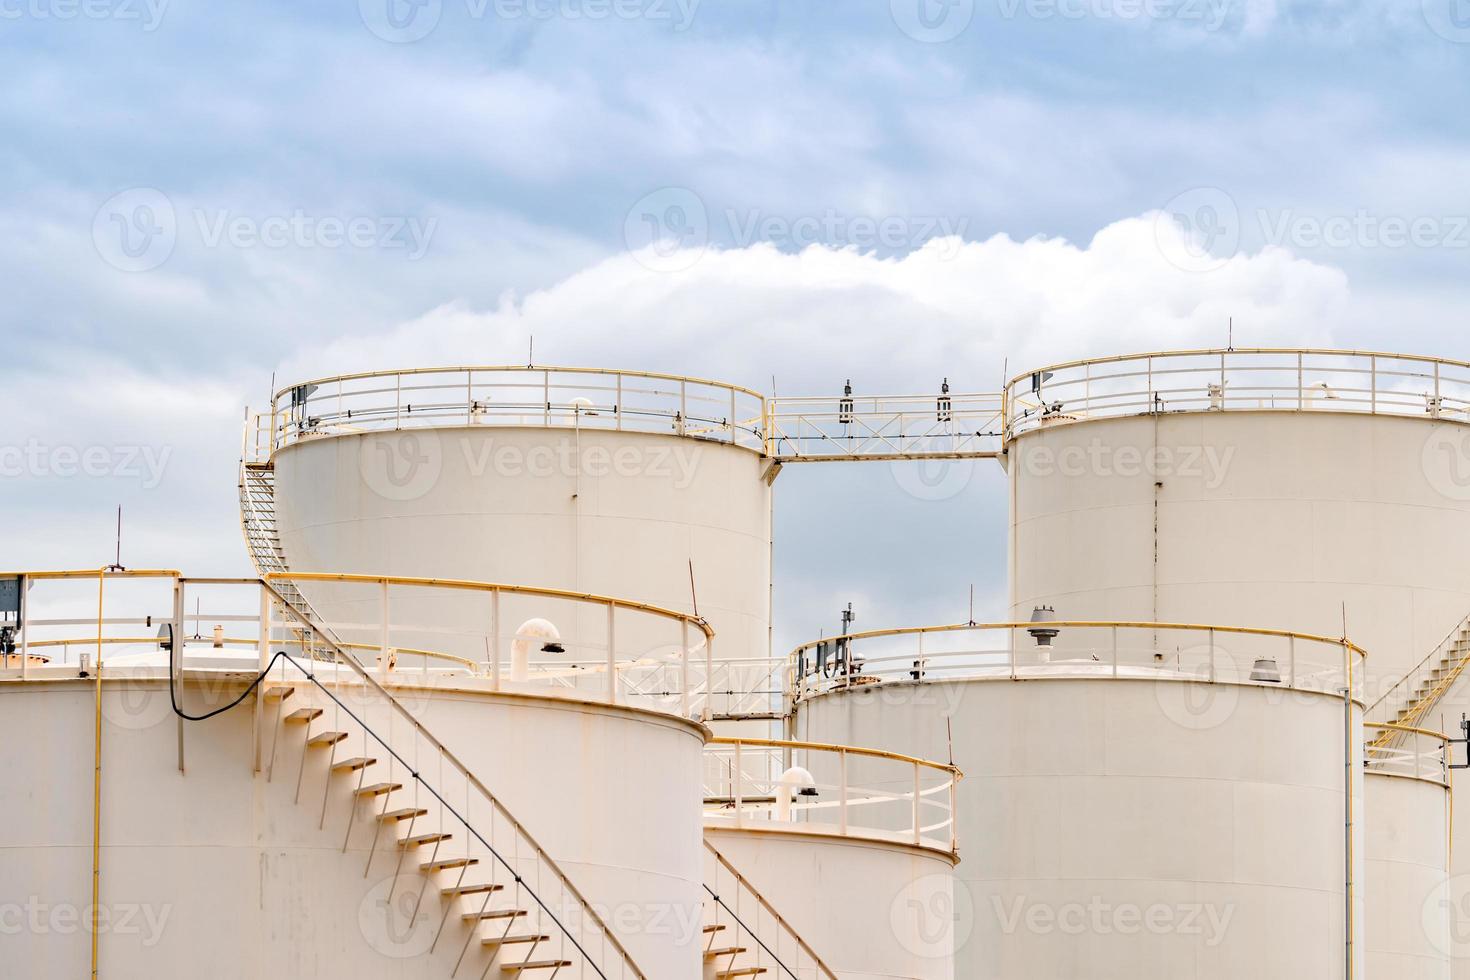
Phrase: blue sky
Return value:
(199, 196)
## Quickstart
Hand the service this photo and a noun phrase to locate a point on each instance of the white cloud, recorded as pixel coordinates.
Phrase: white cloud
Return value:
(822, 314)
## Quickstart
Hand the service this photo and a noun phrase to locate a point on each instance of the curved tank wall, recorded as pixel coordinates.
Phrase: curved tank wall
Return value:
(1255, 518)
(217, 871)
(1408, 927)
(872, 910)
(1122, 828)
(587, 510)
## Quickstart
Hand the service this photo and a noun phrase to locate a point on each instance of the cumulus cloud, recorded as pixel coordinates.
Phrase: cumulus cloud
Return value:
(822, 314)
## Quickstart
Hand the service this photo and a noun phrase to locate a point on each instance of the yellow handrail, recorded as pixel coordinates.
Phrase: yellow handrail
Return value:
(777, 743)
(1089, 624)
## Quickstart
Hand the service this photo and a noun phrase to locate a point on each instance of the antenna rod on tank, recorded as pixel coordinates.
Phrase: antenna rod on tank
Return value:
(693, 595)
(1230, 334)
(531, 352)
(972, 603)
(117, 565)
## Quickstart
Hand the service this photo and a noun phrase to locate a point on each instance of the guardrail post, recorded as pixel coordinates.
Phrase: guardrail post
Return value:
(684, 669)
(1114, 631)
(612, 657)
(1012, 644)
(1291, 653)
(918, 823)
(495, 639)
(383, 659)
(1212, 656)
(25, 618)
(954, 818)
(1300, 391)
(264, 651)
(397, 402)
(842, 790)
(737, 779)
(709, 674)
(1373, 385)
(176, 658)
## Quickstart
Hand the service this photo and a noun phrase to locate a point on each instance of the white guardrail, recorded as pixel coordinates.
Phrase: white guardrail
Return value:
(623, 401)
(1417, 753)
(1239, 380)
(1183, 652)
(830, 789)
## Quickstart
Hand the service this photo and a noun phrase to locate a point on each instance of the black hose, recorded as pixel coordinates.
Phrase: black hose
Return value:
(173, 693)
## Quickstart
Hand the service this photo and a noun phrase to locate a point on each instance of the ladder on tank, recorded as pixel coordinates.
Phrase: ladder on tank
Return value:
(262, 539)
(1411, 700)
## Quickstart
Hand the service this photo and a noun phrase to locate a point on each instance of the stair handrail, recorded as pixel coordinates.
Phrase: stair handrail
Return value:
(744, 883)
(1458, 628)
(471, 779)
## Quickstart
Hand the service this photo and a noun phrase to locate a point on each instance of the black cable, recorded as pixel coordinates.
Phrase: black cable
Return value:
(173, 694)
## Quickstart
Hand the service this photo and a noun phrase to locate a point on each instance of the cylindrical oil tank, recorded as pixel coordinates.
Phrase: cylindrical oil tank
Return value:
(1411, 932)
(872, 909)
(1325, 491)
(1299, 490)
(1122, 827)
(210, 867)
(646, 487)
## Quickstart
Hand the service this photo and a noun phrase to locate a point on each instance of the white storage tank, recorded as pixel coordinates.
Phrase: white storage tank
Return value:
(298, 834)
(1122, 816)
(649, 487)
(1411, 933)
(1266, 488)
(854, 847)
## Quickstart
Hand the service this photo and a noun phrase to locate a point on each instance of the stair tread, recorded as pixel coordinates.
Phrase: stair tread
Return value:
(304, 714)
(446, 864)
(493, 914)
(514, 940)
(536, 965)
(710, 954)
(714, 928)
(326, 738)
(479, 889)
(744, 971)
(419, 840)
(282, 692)
(353, 764)
(403, 814)
(378, 789)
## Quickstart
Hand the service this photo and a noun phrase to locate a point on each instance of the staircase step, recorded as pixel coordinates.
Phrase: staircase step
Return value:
(712, 954)
(354, 764)
(325, 739)
(709, 929)
(539, 965)
(420, 840)
(744, 971)
(493, 914)
(378, 789)
(479, 889)
(304, 715)
(449, 863)
(514, 940)
(407, 813)
(279, 693)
